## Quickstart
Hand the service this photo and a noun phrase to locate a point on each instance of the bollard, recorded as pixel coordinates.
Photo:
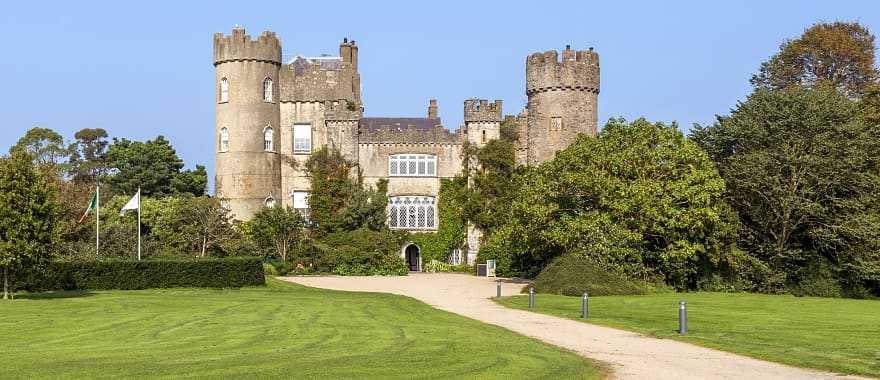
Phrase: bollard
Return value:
(498, 290)
(531, 298)
(682, 317)
(585, 306)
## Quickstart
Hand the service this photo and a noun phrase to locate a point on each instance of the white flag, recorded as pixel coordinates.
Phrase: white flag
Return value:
(132, 204)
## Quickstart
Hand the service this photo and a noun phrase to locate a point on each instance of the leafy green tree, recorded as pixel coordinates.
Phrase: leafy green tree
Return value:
(491, 184)
(640, 199)
(277, 229)
(45, 146)
(88, 155)
(154, 167)
(27, 217)
(207, 224)
(332, 188)
(366, 208)
(802, 171)
(840, 54)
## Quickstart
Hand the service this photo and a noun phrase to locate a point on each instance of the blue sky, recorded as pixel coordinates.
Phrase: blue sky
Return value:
(143, 69)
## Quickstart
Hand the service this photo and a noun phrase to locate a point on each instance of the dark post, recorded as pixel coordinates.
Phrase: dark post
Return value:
(682, 317)
(585, 306)
(531, 297)
(498, 290)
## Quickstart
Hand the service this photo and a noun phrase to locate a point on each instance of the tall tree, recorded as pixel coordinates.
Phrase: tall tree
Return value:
(639, 199)
(332, 188)
(841, 54)
(802, 172)
(45, 146)
(27, 217)
(88, 155)
(154, 167)
(207, 224)
(278, 229)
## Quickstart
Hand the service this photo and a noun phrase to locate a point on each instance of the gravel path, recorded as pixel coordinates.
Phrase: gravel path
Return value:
(630, 355)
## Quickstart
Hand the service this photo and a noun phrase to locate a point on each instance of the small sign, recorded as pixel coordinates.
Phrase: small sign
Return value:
(490, 268)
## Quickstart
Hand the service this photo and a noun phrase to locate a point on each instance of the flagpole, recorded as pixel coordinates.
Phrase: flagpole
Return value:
(98, 220)
(139, 223)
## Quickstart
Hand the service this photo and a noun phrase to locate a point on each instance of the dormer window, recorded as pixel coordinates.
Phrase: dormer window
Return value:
(224, 90)
(267, 90)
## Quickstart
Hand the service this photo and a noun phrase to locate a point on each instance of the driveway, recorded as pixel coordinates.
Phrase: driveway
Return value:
(629, 355)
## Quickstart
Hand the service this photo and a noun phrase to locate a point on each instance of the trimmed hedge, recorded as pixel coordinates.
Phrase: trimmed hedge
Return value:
(230, 272)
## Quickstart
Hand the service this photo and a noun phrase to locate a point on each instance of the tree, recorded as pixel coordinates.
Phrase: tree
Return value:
(88, 155)
(366, 208)
(27, 217)
(154, 167)
(332, 188)
(640, 199)
(840, 54)
(277, 228)
(491, 184)
(207, 224)
(802, 171)
(45, 146)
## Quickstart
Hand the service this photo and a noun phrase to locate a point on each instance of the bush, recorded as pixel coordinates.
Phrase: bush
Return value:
(435, 266)
(360, 252)
(160, 273)
(572, 275)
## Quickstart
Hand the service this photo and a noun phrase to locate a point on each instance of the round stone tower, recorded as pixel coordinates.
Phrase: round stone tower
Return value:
(247, 131)
(562, 100)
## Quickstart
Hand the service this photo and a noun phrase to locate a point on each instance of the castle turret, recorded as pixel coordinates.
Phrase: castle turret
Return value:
(562, 100)
(482, 120)
(248, 166)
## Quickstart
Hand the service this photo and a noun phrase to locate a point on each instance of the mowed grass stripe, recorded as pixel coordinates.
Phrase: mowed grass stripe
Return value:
(839, 335)
(281, 330)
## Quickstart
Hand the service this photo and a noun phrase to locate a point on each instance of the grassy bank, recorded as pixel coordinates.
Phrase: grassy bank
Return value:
(840, 335)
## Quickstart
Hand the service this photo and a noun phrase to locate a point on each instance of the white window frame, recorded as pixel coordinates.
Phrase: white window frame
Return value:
(302, 138)
(412, 165)
(455, 256)
(412, 212)
(268, 139)
(224, 139)
(224, 90)
(268, 88)
(300, 201)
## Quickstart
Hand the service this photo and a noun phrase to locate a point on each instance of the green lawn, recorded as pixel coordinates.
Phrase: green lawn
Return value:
(282, 330)
(840, 335)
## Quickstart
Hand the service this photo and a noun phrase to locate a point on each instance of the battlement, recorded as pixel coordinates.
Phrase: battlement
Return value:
(239, 46)
(482, 110)
(342, 110)
(577, 71)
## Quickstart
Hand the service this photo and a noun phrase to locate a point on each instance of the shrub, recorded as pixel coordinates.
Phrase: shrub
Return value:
(361, 252)
(230, 272)
(435, 266)
(572, 275)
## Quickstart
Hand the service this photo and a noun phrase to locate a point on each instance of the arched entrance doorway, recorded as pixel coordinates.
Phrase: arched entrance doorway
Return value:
(413, 258)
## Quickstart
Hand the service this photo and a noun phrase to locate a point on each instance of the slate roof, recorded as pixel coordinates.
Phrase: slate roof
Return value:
(398, 124)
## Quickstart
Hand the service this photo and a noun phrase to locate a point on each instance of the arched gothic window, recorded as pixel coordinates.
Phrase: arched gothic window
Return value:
(484, 137)
(412, 213)
(267, 140)
(267, 90)
(269, 202)
(224, 139)
(224, 90)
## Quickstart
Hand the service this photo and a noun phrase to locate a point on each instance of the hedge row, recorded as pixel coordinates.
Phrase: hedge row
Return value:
(231, 272)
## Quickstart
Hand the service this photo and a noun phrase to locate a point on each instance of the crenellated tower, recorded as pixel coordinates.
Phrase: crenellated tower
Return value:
(482, 123)
(248, 165)
(562, 100)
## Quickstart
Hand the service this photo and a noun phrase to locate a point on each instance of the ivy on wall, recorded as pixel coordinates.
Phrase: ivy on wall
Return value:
(452, 229)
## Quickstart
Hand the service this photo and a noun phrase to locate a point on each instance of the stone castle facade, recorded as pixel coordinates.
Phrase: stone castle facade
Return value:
(270, 113)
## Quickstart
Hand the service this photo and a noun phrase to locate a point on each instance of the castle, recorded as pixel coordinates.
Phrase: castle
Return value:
(270, 113)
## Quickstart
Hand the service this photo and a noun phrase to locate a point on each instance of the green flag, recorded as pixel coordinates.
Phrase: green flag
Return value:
(92, 205)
